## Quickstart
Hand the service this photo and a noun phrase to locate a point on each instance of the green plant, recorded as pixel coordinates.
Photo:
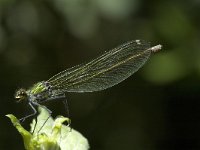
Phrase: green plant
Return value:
(50, 134)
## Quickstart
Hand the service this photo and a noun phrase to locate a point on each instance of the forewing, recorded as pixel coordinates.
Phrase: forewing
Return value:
(105, 71)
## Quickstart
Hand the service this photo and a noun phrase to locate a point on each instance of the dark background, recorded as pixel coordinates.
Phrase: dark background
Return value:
(158, 108)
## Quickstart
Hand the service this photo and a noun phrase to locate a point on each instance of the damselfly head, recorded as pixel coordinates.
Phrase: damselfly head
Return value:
(20, 95)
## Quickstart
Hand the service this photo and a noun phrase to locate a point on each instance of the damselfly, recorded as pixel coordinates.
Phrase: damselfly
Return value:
(101, 73)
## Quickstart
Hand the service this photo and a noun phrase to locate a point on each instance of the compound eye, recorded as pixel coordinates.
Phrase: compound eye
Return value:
(20, 95)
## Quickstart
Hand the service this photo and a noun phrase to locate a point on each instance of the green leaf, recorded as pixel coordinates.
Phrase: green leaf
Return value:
(50, 134)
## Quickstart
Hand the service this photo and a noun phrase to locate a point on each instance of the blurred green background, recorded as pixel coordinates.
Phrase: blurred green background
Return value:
(156, 108)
